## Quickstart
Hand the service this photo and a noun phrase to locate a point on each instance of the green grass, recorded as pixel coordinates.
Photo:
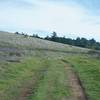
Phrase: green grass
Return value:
(14, 75)
(53, 86)
(49, 76)
(88, 69)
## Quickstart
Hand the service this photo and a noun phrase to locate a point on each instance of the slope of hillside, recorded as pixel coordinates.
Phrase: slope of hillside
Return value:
(17, 46)
(35, 69)
(32, 43)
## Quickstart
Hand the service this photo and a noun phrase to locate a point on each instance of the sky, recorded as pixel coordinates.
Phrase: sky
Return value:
(70, 18)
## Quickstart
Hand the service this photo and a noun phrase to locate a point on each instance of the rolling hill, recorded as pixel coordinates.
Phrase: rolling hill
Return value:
(37, 69)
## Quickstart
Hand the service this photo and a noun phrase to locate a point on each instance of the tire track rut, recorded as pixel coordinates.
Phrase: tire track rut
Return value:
(75, 85)
(28, 89)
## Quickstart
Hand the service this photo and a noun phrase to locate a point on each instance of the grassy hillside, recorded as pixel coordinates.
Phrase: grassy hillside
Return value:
(21, 41)
(35, 69)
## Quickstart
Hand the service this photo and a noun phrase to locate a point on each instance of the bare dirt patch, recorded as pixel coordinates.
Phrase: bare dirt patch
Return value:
(26, 90)
(75, 85)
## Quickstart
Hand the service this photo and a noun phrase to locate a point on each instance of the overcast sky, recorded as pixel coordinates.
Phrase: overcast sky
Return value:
(71, 18)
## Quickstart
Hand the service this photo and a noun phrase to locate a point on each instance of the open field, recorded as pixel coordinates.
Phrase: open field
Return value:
(35, 69)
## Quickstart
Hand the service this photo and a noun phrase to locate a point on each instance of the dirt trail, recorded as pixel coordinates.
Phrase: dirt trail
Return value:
(26, 90)
(76, 88)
